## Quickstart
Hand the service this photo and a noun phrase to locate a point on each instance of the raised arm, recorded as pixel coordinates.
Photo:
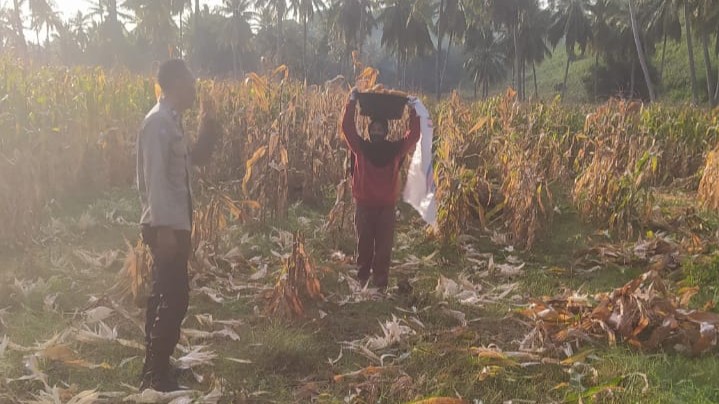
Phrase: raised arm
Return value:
(349, 127)
(412, 136)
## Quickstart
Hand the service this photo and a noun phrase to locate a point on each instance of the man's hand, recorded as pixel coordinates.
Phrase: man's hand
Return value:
(167, 245)
(353, 94)
(412, 101)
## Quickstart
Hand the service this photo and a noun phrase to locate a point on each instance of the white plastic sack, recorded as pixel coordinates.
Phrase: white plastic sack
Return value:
(420, 187)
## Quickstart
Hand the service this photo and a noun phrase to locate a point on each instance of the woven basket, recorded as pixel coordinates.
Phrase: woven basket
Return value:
(382, 106)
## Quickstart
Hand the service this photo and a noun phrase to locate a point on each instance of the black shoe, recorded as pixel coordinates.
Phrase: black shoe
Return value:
(157, 374)
(162, 383)
(362, 281)
(380, 284)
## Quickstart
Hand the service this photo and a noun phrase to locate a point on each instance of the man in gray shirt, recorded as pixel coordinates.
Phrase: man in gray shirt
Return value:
(163, 179)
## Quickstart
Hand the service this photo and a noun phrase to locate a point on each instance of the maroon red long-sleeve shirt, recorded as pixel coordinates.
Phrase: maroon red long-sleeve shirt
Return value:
(374, 186)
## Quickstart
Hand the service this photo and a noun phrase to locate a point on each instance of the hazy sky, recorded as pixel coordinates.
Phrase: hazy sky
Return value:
(70, 7)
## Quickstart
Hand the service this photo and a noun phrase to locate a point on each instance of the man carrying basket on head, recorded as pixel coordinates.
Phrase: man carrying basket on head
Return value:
(376, 185)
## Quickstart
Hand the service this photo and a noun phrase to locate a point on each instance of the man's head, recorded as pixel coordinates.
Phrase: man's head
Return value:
(177, 83)
(378, 129)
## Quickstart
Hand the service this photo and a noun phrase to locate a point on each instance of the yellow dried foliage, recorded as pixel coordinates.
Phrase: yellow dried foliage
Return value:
(135, 274)
(644, 313)
(709, 185)
(297, 285)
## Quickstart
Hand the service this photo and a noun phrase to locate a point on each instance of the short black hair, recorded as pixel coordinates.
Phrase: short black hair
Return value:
(382, 121)
(169, 71)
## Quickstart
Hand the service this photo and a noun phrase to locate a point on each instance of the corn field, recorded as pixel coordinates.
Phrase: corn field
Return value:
(500, 164)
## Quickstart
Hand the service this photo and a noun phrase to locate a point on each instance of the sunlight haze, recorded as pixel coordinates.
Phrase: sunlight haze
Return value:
(70, 7)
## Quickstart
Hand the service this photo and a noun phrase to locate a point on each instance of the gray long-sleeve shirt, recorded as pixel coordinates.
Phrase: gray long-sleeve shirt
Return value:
(163, 170)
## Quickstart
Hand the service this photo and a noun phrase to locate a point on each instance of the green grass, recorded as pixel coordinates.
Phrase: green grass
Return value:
(290, 357)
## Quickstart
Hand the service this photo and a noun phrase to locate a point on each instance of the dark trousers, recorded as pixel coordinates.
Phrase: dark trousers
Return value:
(170, 295)
(375, 237)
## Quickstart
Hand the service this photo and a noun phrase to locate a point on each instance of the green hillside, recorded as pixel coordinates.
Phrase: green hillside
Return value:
(676, 85)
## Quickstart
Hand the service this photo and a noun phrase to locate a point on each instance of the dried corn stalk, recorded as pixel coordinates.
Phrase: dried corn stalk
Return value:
(709, 185)
(135, 273)
(211, 218)
(297, 284)
(340, 217)
(614, 184)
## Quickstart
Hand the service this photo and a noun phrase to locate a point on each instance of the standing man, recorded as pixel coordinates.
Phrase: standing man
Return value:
(375, 188)
(163, 179)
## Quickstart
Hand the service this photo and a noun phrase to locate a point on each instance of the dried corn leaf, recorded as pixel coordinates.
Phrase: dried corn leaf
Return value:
(643, 313)
(441, 400)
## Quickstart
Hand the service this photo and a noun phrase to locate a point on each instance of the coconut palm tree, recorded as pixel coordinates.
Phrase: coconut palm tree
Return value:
(507, 13)
(178, 8)
(640, 51)
(406, 31)
(279, 10)
(707, 21)
(236, 32)
(688, 6)
(571, 23)
(5, 26)
(533, 41)
(486, 57)
(603, 34)
(455, 17)
(17, 22)
(305, 10)
(77, 27)
(714, 16)
(155, 24)
(17, 31)
(43, 15)
(450, 23)
(664, 21)
(351, 22)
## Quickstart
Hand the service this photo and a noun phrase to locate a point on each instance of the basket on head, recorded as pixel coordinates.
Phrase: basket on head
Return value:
(378, 105)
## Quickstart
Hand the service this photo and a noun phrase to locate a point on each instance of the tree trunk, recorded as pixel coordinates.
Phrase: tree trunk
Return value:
(440, 36)
(360, 39)
(405, 63)
(640, 52)
(182, 44)
(112, 11)
(304, 47)
(520, 83)
(664, 52)
(524, 81)
(536, 87)
(234, 61)
(596, 75)
(446, 58)
(692, 67)
(399, 68)
(279, 39)
(516, 56)
(241, 62)
(566, 74)
(708, 67)
(633, 79)
(19, 30)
